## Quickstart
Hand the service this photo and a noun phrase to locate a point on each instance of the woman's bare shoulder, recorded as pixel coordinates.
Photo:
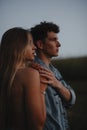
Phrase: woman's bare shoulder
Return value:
(28, 73)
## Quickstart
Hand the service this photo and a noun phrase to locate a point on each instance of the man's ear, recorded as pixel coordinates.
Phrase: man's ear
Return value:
(39, 44)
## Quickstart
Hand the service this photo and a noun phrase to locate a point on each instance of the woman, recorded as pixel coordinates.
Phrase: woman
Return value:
(22, 104)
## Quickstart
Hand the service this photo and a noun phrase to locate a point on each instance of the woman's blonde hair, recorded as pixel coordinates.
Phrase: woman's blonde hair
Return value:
(12, 46)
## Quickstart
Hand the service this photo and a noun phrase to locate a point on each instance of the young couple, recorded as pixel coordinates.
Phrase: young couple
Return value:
(33, 94)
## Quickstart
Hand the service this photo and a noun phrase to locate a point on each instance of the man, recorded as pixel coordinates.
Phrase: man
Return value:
(59, 95)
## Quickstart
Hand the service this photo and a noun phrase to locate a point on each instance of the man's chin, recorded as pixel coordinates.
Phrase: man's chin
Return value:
(56, 55)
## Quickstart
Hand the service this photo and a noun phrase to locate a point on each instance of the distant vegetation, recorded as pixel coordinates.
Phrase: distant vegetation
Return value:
(73, 68)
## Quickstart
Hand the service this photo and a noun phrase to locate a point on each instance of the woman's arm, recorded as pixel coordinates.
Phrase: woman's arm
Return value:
(34, 100)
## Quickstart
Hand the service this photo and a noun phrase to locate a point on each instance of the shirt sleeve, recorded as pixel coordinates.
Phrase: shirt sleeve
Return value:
(73, 95)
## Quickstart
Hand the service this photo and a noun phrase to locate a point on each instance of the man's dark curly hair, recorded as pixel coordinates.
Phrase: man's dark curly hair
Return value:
(39, 32)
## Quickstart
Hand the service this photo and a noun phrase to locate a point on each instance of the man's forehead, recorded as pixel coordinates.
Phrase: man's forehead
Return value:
(52, 34)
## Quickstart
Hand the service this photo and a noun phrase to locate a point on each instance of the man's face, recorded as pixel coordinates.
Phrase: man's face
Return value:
(51, 45)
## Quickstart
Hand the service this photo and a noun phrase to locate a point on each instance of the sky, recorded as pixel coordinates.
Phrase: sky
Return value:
(70, 15)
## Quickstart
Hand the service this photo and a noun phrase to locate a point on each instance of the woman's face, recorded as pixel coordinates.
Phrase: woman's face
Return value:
(30, 49)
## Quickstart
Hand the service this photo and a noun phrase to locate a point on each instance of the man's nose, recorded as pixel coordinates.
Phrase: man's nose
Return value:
(58, 44)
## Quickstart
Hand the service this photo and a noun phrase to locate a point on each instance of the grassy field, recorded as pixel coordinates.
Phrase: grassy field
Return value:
(74, 72)
(78, 113)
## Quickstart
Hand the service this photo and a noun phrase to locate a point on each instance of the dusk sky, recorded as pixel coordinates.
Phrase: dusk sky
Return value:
(70, 15)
